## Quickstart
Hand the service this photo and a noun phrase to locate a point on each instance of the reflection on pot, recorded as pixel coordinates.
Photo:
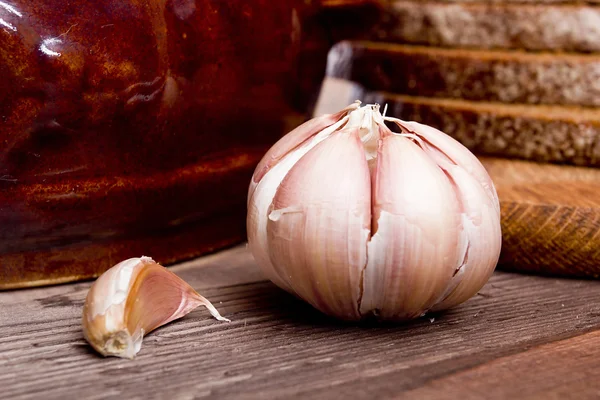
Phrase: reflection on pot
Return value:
(132, 127)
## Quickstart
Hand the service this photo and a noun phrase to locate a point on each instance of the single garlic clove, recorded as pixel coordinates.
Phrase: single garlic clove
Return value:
(320, 222)
(130, 300)
(480, 210)
(261, 196)
(294, 139)
(413, 251)
(443, 147)
(481, 224)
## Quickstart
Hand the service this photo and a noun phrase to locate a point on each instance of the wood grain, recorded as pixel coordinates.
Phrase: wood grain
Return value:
(550, 217)
(562, 374)
(278, 347)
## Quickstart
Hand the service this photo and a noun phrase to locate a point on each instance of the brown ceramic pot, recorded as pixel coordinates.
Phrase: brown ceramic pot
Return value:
(131, 127)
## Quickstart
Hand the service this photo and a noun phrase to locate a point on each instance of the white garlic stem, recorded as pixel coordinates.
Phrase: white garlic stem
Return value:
(358, 220)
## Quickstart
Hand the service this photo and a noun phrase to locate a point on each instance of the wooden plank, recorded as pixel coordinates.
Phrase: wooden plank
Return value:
(277, 346)
(570, 369)
(550, 217)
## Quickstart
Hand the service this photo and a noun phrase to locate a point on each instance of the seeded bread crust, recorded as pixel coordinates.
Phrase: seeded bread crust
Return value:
(498, 76)
(568, 135)
(515, 1)
(492, 25)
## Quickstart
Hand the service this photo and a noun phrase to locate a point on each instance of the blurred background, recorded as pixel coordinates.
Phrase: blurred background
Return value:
(133, 128)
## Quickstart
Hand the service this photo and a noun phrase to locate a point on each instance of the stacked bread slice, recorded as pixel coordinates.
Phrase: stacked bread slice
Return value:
(516, 78)
(509, 24)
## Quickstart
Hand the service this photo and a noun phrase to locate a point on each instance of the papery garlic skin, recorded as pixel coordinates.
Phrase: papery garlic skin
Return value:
(358, 220)
(130, 300)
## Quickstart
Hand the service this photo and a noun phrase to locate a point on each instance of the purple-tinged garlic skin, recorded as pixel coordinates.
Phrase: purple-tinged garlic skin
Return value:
(359, 220)
(130, 300)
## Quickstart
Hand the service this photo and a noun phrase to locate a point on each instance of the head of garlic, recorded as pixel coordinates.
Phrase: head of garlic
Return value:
(359, 220)
(130, 300)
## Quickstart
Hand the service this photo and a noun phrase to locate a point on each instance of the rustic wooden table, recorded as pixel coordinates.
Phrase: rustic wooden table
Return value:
(521, 337)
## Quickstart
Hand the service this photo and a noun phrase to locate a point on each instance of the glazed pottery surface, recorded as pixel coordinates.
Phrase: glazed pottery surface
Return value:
(132, 128)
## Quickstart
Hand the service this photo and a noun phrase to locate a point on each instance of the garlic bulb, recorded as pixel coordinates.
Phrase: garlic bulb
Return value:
(131, 299)
(358, 220)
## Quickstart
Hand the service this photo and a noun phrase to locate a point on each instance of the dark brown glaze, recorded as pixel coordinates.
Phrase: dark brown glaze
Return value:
(128, 122)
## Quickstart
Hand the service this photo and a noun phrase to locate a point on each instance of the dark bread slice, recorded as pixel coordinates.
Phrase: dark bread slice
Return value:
(515, 1)
(482, 75)
(332, 4)
(558, 134)
(492, 25)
